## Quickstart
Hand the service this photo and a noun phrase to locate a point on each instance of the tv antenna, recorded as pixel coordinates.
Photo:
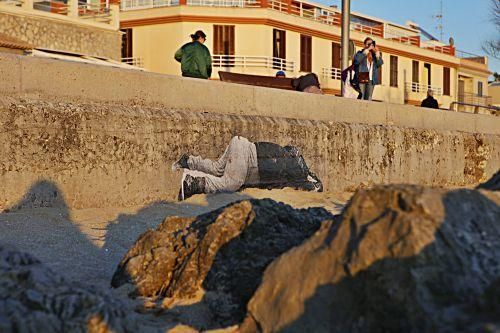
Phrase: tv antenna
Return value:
(439, 19)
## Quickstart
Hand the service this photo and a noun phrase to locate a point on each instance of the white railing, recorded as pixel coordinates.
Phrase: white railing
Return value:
(143, 4)
(423, 88)
(332, 73)
(94, 10)
(253, 62)
(134, 61)
(224, 3)
(400, 37)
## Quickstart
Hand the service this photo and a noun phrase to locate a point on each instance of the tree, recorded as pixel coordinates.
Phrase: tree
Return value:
(492, 47)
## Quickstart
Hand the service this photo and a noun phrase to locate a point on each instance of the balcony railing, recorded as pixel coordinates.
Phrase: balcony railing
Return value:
(224, 3)
(332, 73)
(472, 57)
(134, 61)
(397, 36)
(228, 61)
(474, 99)
(416, 87)
(94, 11)
(143, 4)
(377, 30)
(447, 49)
(56, 7)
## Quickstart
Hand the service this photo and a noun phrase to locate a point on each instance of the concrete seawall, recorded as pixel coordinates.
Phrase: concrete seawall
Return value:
(107, 137)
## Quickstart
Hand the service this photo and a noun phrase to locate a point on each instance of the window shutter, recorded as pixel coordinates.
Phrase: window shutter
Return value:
(446, 81)
(336, 55)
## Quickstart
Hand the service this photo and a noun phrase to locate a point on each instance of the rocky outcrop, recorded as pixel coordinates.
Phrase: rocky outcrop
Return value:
(403, 259)
(35, 299)
(221, 254)
(493, 184)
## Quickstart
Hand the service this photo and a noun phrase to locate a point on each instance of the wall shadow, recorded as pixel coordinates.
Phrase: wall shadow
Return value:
(446, 287)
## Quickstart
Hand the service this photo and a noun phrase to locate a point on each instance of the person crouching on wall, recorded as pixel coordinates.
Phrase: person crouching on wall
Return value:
(195, 57)
(366, 64)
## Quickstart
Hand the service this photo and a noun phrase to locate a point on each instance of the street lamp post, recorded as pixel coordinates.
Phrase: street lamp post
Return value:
(346, 22)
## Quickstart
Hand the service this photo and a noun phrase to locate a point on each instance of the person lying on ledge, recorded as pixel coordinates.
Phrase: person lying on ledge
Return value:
(246, 164)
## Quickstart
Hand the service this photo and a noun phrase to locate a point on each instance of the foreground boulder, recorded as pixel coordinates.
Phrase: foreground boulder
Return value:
(35, 299)
(221, 254)
(403, 259)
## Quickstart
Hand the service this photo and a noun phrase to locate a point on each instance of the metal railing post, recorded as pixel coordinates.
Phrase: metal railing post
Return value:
(346, 22)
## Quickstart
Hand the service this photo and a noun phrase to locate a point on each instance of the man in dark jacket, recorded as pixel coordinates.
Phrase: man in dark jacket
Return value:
(430, 101)
(195, 57)
(246, 164)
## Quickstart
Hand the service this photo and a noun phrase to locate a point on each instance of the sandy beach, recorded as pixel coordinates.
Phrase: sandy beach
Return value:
(86, 245)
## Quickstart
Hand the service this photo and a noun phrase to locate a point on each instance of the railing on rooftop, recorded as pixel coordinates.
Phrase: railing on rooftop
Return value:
(470, 56)
(377, 30)
(134, 61)
(398, 36)
(332, 73)
(222, 60)
(447, 49)
(421, 88)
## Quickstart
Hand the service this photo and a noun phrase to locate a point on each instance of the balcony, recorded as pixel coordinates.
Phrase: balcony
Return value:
(332, 73)
(474, 99)
(419, 88)
(97, 11)
(253, 62)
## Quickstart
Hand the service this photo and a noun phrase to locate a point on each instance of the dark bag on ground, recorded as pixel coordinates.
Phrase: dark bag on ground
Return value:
(304, 81)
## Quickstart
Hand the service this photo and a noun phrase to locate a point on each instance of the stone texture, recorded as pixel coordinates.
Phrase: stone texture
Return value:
(403, 259)
(35, 299)
(62, 36)
(86, 149)
(222, 253)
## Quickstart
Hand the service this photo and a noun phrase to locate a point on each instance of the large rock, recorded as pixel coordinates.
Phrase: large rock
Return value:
(221, 254)
(403, 259)
(35, 299)
(493, 184)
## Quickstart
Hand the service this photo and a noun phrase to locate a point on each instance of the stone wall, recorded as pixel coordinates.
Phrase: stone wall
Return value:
(102, 154)
(108, 144)
(64, 36)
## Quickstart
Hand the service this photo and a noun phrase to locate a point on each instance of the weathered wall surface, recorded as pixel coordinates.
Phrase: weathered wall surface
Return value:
(108, 137)
(59, 35)
(110, 155)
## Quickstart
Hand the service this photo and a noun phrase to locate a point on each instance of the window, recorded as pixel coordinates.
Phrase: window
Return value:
(305, 53)
(415, 73)
(279, 47)
(336, 51)
(446, 81)
(428, 74)
(224, 39)
(127, 43)
(379, 70)
(480, 88)
(394, 71)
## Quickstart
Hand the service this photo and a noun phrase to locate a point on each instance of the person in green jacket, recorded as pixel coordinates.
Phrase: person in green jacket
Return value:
(195, 57)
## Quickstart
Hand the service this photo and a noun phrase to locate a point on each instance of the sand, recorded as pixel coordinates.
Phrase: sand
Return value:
(86, 245)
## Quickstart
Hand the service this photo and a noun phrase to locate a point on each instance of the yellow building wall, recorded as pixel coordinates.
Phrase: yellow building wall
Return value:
(156, 45)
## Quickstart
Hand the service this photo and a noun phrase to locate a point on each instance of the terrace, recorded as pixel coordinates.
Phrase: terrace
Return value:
(88, 10)
(326, 15)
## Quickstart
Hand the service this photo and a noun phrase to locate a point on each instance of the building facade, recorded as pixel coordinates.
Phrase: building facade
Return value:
(263, 36)
(74, 26)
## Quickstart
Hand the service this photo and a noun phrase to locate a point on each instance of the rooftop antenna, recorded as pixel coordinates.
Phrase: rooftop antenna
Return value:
(439, 18)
